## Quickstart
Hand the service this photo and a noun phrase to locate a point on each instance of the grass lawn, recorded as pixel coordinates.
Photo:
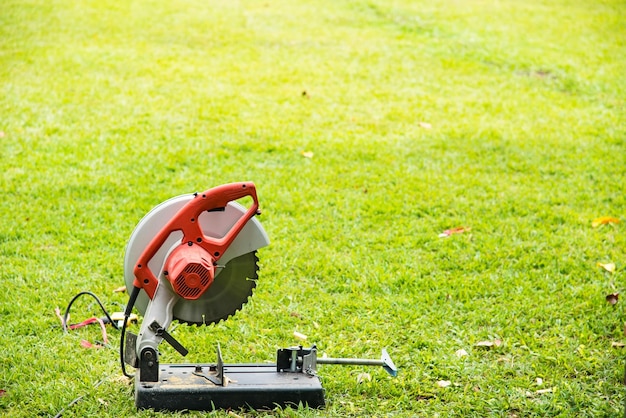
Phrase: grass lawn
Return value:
(369, 128)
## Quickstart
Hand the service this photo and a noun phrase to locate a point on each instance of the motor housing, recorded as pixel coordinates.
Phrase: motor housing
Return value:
(190, 269)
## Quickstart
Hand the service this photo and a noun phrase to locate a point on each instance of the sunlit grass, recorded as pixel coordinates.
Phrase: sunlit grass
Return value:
(414, 117)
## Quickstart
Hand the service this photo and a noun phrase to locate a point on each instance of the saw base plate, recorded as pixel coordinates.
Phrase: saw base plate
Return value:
(257, 386)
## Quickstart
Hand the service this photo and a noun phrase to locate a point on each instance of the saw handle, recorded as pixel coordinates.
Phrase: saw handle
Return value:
(186, 220)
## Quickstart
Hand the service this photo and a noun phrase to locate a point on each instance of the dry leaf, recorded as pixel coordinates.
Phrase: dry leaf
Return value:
(489, 344)
(2, 392)
(121, 379)
(119, 289)
(57, 311)
(425, 125)
(541, 391)
(616, 344)
(603, 221)
(452, 231)
(610, 267)
(461, 353)
(612, 298)
(539, 381)
(299, 335)
(444, 383)
(232, 414)
(363, 377)
(307, 154)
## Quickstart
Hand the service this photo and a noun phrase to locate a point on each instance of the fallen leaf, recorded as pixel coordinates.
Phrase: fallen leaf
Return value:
(299, 335)
(307, 154)
(444, 383)
(57, 311)
(603, 221)
(461, 353)
(541, 391)
(612, 298)
(363, 377)
(103, 402)
(295, 314)
(616, 344)
(610, 267)
(122, 379)
(452, 231)
(119, 289)
(489, 344)
(425, 125)
(2, 393)
(540, 73)
(539, 381)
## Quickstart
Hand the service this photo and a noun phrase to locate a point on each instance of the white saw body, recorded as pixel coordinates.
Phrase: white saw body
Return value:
(215, 224)
(235, 273)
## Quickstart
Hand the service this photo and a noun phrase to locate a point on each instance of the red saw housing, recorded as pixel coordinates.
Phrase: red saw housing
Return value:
(190, 267)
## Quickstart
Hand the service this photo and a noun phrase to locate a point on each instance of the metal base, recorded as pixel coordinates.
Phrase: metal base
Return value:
(256, 386)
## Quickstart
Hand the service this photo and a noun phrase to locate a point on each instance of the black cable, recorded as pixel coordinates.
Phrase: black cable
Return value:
(67, 311)
(127, 311)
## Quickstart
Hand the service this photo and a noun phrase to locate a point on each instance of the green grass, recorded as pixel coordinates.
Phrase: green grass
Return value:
(108, 108)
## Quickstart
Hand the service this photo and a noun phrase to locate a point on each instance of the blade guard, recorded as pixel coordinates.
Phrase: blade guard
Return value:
(185, 221)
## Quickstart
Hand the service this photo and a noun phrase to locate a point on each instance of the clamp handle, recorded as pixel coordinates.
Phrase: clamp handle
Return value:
(186, 220)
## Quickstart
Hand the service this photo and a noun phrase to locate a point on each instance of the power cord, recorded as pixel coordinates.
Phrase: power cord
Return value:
(127, 311)
(129, 307)
(67, 311)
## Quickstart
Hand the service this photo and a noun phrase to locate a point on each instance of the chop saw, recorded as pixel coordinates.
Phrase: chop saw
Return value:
(193, 259)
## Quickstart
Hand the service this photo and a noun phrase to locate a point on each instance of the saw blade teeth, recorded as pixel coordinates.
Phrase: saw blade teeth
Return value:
(224, 298)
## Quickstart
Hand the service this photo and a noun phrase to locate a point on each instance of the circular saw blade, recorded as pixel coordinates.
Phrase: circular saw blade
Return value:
(234, 282)
(227, 294)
